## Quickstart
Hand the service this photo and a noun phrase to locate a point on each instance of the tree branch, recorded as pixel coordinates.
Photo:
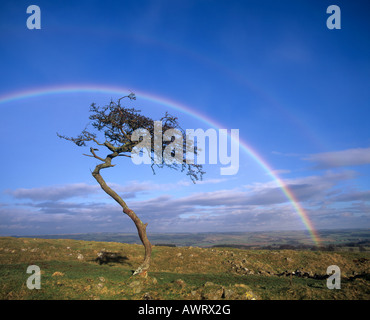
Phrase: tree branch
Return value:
(95, 155)
(124, 155)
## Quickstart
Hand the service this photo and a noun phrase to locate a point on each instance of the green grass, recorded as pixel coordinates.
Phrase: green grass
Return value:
(204, 273)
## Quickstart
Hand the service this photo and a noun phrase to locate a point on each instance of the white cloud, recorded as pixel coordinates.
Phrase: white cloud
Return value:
(353, 196)
(260, 206)
(69, 191)
(343, 158)
(54, 192)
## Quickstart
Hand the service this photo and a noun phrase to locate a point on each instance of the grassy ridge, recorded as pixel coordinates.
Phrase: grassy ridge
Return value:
(69, 270)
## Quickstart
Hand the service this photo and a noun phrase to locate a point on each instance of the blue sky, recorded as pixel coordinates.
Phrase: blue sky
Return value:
(298, 93)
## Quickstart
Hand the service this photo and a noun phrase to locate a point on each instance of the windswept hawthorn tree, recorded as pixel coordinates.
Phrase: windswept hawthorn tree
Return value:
(112, 128)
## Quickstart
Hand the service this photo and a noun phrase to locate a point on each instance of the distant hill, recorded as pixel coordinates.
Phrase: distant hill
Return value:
(344, 239)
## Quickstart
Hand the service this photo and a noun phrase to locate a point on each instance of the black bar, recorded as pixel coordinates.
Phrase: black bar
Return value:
(184, 309)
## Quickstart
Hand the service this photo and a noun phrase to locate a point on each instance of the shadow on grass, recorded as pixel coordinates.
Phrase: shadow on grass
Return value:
(106, 257)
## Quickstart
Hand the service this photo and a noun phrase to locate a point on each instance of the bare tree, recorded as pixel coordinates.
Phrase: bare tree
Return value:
(116, 124)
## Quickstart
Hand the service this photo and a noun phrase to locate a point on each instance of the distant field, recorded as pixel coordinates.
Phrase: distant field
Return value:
(70, 270)
(338, 240)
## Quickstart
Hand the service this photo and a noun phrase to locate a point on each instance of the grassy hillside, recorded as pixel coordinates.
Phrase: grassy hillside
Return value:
(70, 270)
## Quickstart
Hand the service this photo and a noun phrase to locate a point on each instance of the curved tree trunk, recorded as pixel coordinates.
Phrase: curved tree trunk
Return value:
(141, 227)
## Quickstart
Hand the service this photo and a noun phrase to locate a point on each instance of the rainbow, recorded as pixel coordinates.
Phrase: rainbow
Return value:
(182, 108)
